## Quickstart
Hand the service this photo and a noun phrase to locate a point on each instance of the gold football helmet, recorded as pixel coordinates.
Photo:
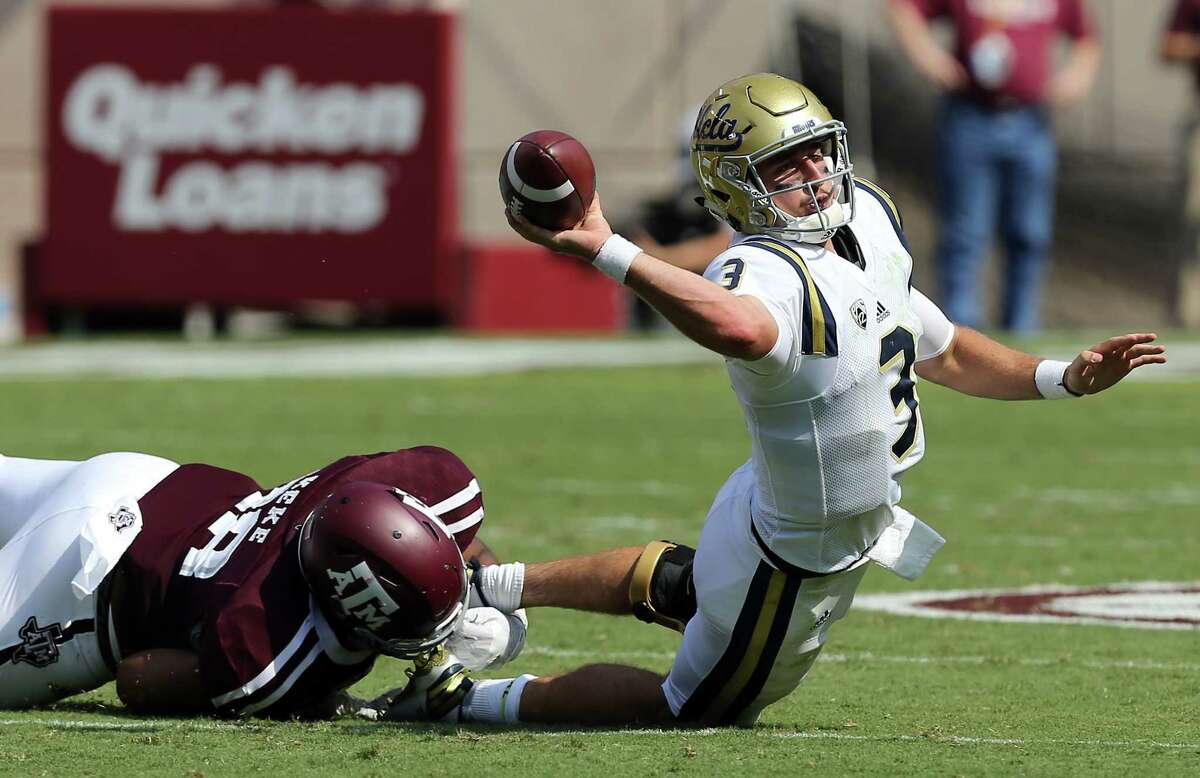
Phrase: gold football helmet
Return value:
(751, 119)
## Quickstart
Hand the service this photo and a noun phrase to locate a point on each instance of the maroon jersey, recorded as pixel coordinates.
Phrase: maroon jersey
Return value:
(215, 570)
(1013, 41)
(1185, 18)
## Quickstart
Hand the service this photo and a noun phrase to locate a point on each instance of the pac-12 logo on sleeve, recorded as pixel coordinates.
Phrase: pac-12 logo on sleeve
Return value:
(858, 312)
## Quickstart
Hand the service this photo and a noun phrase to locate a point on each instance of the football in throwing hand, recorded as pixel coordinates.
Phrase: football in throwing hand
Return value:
(549, 178)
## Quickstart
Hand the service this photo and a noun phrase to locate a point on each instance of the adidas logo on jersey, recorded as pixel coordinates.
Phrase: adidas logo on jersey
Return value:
(881, 313)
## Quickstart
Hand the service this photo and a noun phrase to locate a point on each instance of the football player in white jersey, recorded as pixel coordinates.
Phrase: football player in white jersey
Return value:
(824, 338)
(200, 591)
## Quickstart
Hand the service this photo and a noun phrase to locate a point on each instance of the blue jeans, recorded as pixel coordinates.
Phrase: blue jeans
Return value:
(994, 163)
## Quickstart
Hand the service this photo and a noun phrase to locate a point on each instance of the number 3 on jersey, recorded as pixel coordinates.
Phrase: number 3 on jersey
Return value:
(731, 273)
(900, 345)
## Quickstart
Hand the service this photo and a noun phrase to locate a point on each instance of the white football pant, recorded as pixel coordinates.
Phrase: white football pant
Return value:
(757, 630)
(63, 526)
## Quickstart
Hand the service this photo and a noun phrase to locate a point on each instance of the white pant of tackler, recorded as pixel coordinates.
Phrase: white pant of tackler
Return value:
(63, 527)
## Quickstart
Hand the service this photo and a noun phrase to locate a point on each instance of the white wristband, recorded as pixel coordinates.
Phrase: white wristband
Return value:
(1050, 378)
(502, 586)
(615, 257)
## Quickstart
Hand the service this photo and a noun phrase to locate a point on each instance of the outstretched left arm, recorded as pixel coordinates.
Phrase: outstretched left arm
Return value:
(975, 364)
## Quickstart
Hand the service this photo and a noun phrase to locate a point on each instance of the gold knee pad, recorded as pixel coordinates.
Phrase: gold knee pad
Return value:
(661, 590)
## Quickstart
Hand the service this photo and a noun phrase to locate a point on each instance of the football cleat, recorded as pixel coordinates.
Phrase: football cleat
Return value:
(436, 687)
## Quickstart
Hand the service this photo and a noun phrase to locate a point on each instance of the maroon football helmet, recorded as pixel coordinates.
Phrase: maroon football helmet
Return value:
(384, 570)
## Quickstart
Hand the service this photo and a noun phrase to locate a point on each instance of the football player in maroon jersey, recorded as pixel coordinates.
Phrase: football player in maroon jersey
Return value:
(203, 592)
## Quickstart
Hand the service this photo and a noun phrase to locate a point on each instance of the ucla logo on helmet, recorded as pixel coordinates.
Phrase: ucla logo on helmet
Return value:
(714, 132)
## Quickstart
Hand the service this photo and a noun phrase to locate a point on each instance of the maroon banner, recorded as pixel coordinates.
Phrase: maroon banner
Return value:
(249, 157)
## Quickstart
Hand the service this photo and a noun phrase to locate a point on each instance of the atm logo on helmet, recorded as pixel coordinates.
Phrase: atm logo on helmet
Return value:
(370, 604)
(714, 132)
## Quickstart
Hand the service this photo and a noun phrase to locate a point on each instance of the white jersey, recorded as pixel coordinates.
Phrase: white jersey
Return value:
(832, 410)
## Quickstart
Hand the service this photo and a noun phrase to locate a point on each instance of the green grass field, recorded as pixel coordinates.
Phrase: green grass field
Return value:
(1093, 492)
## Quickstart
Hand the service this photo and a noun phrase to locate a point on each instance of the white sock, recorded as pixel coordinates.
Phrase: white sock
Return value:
(495, 702)
(502, 586)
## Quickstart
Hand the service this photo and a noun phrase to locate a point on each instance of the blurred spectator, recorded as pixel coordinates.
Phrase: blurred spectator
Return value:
(674, 227)
(996, 153)
(391, 5)
(1181, 45)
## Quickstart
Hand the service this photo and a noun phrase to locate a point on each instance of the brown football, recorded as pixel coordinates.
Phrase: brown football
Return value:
(548, 177)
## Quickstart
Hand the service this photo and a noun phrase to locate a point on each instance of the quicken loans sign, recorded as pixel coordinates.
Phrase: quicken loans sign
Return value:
(130, 123)
(250, 156)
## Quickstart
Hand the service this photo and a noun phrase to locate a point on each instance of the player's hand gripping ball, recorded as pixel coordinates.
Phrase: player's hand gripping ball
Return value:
(548, 177)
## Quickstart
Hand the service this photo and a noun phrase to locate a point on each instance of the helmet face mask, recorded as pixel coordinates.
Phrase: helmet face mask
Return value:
(385, 571)
(751, 120)
(412, 648)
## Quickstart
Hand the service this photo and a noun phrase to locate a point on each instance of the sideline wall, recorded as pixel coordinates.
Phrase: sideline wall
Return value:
(620, 75)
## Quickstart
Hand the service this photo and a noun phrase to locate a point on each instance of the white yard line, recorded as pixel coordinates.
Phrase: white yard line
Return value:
(574, 653)
(1055, 541)
(932, 738)
(957, 740)
(868, 658)
(1112, 499)
(989, 741)
(443, 355)
(130, 725)
(1091, 664)
(206, 725)
(433, 356)
(583, 486)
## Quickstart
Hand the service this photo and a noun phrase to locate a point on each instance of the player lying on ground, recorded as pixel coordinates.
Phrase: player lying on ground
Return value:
(200, 591)
(824, 337)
